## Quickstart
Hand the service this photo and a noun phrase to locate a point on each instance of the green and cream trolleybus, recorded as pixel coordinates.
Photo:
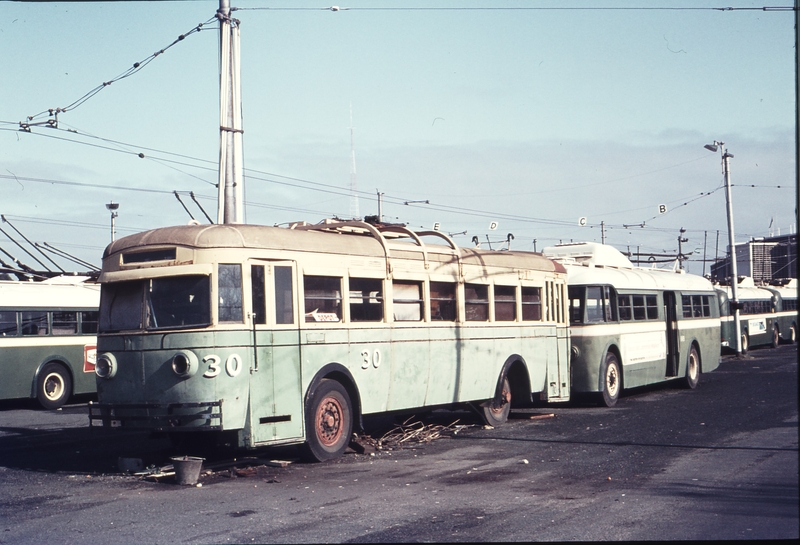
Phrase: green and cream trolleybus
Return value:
(267, 335)
(632, 326)
(767, 314)
(47, 339)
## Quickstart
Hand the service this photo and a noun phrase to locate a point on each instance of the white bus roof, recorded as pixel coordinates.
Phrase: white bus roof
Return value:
(333, 241)
(22, 295)
(592, 263)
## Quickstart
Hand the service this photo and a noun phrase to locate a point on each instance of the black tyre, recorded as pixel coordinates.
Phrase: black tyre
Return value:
(495, 412)
(612, 380)
(692, 370)
(54, 386)
(329, 421)
(776, 336)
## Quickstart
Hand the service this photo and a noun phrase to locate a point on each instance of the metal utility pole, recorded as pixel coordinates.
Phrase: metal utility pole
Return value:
(231, 195)
(681, 240)
(734, 302)
(353, 182)
(113, 207)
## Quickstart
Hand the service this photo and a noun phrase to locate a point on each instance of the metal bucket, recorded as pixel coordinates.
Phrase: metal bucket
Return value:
(187, 469)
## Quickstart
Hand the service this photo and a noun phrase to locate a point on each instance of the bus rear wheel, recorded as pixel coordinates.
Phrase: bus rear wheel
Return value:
(53, 386)
(329, 421)
(612, 380)
(495, 412)
(692, 369)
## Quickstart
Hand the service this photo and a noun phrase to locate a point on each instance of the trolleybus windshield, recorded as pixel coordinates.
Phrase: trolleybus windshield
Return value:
(158, 303)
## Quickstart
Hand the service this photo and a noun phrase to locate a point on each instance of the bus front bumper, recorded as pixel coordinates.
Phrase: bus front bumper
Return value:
(200, 416)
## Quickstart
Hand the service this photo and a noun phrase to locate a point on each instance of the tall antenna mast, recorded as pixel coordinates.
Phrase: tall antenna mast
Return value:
(353, 184)
(230, 197)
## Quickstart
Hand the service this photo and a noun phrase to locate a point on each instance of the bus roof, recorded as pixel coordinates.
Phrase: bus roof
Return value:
(20, 295)
(352, 243)
(592, 263)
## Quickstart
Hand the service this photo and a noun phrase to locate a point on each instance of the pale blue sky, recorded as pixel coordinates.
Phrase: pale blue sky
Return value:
(533, 118)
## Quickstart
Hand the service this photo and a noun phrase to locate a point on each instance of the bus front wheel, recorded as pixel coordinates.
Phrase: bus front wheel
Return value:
(692, 370)
(53, 386)
(776, 336)
(745, 342)
(495, 412)
(329, 421)
(612, 380)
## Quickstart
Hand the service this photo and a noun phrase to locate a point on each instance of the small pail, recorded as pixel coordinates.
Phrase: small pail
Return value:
(187, 469)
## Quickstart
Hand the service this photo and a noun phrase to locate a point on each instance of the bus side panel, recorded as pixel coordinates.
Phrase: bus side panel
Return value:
(411, 354)
(370, 363)
(445, 365)
(20, 363)
(480, 363)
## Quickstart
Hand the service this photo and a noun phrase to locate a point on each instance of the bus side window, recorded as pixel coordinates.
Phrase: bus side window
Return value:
(638, 307)
(505, 303)
(532, 304)
(407, 301)
(594, 304)
(323, 297)
(443, 301)
(476, 302)
(625, 310)
(34, 323)
(89, 321)
(366, 300)
(230, 293)
(65, 323)
(258, 290)
(8, 323)
(651, 302)
(284, 296)
(608, 298)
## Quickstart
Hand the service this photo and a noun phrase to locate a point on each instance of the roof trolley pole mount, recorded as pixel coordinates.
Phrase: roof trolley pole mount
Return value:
(734, 302)
(231, 196)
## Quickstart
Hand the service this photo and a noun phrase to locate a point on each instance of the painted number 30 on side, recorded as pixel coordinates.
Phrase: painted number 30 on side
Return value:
(233, 365)
(370, 358)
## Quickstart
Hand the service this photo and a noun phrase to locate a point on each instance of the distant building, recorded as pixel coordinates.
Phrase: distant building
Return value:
(764, 260)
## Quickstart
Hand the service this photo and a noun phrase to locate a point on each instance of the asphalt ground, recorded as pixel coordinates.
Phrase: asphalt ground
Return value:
(718, 462)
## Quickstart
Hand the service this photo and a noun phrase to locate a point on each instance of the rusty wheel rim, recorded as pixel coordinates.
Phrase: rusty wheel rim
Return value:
(498, 405)
(329, 421)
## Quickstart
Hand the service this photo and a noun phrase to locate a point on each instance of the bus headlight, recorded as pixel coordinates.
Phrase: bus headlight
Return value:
(184, 363)
(106, 366)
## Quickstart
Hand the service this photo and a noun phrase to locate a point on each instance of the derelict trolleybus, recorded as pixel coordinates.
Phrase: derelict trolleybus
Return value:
(632, 326)
(270, 335)
(47, 339)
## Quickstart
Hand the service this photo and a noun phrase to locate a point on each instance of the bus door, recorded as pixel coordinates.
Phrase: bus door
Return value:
(276, 400)
(673, 348)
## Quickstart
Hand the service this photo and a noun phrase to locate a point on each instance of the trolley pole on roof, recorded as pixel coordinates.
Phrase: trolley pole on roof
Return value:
(734, 302)
(231, 195)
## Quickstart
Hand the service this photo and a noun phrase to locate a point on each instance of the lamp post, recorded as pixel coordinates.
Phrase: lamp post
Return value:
(734, 302)
(113, 207)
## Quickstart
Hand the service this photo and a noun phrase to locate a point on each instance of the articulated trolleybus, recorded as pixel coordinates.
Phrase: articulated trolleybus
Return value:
(47, 339)
(633, 326)
(265, 335)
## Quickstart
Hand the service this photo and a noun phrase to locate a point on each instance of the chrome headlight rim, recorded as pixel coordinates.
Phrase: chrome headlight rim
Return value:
(106, 366)
(184, 363)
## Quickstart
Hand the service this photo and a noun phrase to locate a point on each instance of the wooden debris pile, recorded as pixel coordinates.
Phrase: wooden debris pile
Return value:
(411, 432)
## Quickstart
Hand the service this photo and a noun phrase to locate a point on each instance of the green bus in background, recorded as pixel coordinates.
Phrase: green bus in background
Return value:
(47, 339)
(632, 326)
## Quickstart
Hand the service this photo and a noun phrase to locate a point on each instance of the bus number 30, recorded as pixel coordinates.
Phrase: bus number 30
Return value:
(233, 365)
(367, 359)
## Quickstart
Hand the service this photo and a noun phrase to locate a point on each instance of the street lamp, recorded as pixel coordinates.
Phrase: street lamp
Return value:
(734, 302)
(113, 207)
